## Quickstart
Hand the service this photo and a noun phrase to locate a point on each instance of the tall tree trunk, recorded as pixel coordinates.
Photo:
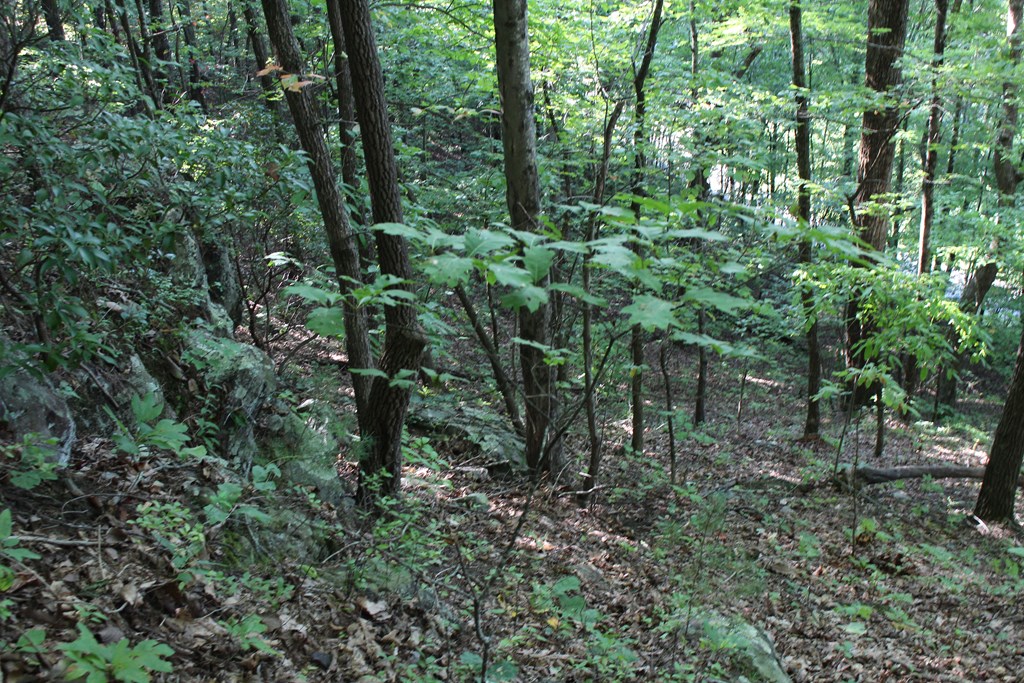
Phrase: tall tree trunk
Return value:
(522, 193)
(1007, 179)
(346, 120)
(803, 165)
(636, 345)
(887, 30)
(996, 498)
(161, 47)
(404, 340)
(590, 405)
(332, 206)
(54, 21)
(259, 52)
(195, 85)
(930, 164)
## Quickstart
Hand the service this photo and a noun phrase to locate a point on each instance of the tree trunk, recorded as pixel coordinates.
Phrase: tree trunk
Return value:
(887, 30)
(996, 498)
(346, 121)
(54, 21)
(259, 52)
(636, 345)
(803, 164)
(522, 193)
(332, 206)
(161, 47)
(195, 86)
(404, 341)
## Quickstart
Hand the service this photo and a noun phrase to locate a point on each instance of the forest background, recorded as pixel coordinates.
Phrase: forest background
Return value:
(264, 263)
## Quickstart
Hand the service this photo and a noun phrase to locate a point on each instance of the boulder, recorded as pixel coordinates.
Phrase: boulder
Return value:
(31, 405)
(305, 447)
(243, 377)
(750, 651)
(188, 270)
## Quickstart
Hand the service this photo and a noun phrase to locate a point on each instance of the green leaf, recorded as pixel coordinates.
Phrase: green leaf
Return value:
(482, 242)
(651, 313)
(856, 628)
(508, 274)
(726, 303)
(327, 322)
(579, 293)
(448, 269)
(313, 294)
(147, 408)
(398, 230)
(537, 261)
(530, 296)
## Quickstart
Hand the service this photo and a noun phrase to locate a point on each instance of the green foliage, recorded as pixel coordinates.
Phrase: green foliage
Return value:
(30, 463)
(249, 631)
(119, 661)
(9, 550)
(163, 434)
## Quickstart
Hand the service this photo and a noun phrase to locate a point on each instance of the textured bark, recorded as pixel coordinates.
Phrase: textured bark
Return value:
(346, 119)
(999, 486)
(996, 498)
(934, 136)
(887, 30)
(144, 77)
(812, 420)
(522, 194)
(259, 52)
(54, 21)
(195, 85)
(636, 343)
(161, 45)
(332, 207)
(404, 341)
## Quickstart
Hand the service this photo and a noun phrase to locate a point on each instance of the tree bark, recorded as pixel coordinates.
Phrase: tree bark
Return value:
(522, 194)
(636, 344)
(887, 30)
(998, 489)
(803, 164)
(332, 206)
(346, 120)
(54, 21)
(259, 52)
(195, 85)
(380, 472)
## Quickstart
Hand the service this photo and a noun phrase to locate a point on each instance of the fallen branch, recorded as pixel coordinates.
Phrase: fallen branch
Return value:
(865, 476)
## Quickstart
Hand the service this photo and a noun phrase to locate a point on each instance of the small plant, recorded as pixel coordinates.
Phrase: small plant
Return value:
(151, 432)
(9, 549)
(29, 463)
(249, 633)
(120, 661)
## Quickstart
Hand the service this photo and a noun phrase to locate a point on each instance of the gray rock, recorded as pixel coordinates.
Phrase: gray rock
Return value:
(29, 404)
(306, 449)
(224, 286)
(244, 375)
(189, 270)
(751, 651)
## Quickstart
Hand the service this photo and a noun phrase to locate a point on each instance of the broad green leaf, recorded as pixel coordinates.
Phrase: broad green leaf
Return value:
(482, 242)
(530, 296)
(448, 269)
(508, 274)
(651, 313)
(537, 261)
(727, 303)
(327, 322)
(313, 294)
(579, 293)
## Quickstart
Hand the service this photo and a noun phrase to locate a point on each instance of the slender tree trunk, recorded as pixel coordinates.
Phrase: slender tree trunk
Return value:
(259, 53)
(887, 30)
(404, 340)
(161, 47)
(636, 345)
(590, 405)
(803, 163)
(346, 121)
(998, 489)
(329, 199)
(519, 140)
(195, 85)
(933, 136)
(54, 21)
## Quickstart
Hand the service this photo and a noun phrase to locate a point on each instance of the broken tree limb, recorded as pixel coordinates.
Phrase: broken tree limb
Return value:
(865, 476)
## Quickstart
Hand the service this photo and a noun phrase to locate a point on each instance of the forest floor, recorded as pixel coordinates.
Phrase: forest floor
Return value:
(474, 570)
